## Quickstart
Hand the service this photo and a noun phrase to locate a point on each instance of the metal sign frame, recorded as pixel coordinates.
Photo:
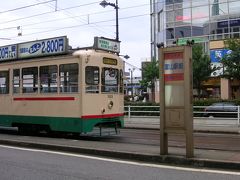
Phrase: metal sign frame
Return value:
(176, 113)
(106, 44)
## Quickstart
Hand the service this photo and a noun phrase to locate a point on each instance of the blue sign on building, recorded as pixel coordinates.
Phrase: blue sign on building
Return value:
(223, 24)
(217, 55)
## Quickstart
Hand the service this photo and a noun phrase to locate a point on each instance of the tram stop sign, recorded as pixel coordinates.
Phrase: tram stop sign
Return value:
(176, 114)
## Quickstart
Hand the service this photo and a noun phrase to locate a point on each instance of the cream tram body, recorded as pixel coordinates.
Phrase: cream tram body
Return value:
(70, 93)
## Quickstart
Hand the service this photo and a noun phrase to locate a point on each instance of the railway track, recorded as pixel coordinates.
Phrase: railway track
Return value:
(209, 141)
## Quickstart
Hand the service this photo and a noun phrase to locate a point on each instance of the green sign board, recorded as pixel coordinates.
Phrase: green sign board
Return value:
(183, 41)
(107, 44)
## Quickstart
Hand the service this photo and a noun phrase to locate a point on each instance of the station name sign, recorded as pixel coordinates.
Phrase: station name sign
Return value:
(45, 47)
(107, 44)
(173, 66)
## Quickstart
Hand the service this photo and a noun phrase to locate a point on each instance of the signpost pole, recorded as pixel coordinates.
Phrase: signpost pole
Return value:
(176, 115)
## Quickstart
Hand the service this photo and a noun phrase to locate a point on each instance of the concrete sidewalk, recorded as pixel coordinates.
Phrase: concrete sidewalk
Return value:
(228, 160)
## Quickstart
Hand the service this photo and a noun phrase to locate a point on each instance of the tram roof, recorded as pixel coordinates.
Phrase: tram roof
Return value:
(92, 51)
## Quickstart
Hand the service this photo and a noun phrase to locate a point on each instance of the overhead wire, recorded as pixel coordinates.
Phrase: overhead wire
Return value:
(89, 14)
(28, 6)
(133, 66)
(79, 25)
(40, 14)
(75, 26)
(76, 18)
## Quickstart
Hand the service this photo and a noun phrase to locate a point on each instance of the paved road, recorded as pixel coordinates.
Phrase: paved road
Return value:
(19, 164)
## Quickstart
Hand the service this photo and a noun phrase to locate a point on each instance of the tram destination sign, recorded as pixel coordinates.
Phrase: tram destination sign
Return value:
(45, 47)
(8, 52)
(107, 44)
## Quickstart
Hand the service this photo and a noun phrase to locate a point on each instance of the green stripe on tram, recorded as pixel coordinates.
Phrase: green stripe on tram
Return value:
(66, 124)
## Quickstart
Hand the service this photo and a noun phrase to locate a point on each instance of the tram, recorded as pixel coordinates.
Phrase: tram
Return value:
(46, 86)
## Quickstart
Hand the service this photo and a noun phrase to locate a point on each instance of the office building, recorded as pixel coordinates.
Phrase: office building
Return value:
(209, 22)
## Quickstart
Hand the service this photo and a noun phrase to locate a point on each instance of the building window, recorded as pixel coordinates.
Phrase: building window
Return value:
(236, 32)
(160, 21)
(217, 8)
(170, 33)
(68, 78)
(234, 7)
(4, 82)
(48, 79)
(184, 31)
(199, 2)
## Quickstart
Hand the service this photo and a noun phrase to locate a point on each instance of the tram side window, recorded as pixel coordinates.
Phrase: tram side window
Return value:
(4, 82)
(30, 80)
(68, 77)
(109, 80)
(16, 81)
(121, 82)
(48, 79)
(92, 79)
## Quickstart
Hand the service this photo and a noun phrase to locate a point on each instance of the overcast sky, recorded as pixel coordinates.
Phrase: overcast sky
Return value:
(80, 21)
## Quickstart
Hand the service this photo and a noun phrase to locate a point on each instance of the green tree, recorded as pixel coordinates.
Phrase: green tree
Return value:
(231, 61)
(201, 67)
(150, 73)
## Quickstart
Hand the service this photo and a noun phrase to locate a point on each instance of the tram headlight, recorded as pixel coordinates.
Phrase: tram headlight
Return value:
(110, 105)
(103, 110)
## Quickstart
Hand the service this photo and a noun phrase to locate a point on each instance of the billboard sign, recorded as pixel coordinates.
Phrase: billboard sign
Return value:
(8, 52)
(223, 24)
(183, 41)
(43, 47)
(107, 44)
(218, 54)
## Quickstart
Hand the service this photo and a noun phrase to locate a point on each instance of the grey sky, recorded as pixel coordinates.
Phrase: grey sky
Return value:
(80, 21)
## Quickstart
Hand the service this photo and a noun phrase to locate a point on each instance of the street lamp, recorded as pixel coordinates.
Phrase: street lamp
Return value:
(115, 5)
(131, 76)
(125, 56)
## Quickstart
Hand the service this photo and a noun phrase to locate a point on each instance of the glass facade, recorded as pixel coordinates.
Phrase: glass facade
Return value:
(204, 19)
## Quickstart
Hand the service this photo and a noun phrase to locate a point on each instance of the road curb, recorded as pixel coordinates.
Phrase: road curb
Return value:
(146, 158)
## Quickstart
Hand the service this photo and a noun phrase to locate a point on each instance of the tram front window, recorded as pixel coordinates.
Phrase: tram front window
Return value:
(109, 80)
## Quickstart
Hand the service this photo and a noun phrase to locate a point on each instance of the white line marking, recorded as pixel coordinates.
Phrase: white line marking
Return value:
(126, 162)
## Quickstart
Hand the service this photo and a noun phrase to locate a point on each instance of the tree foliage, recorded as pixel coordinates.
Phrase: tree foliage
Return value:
(201, 67)
(150, 74)
(231, 62)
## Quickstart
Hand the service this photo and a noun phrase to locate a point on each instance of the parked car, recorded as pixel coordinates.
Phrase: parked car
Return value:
(221, 109)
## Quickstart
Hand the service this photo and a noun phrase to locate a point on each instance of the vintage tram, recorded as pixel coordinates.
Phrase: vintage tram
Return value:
(60, 90)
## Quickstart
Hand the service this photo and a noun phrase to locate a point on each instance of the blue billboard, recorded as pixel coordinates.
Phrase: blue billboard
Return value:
(217, 55)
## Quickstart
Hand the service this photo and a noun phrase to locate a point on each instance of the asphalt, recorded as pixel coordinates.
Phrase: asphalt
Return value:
(226, 160)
